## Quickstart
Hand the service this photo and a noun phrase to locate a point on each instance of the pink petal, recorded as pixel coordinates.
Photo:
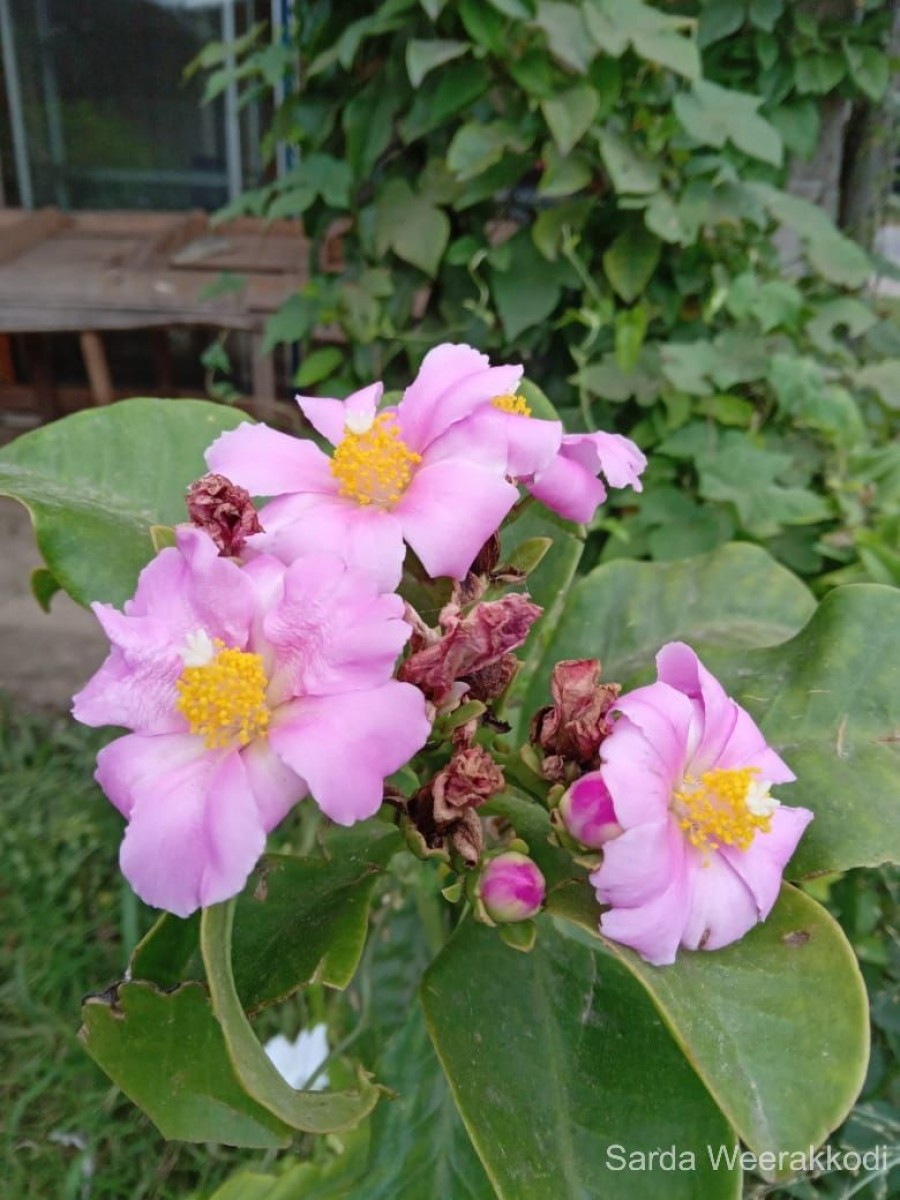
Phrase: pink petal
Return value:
(449, 511)
(344, 747)
(452, 382)
(639, 864)
(653, 929)
(640, 784)
(275, 787)
(332, 630)
(136, 690)
(132, 765)
(619, 459)
(328, 417)
(722, 908)
(762, 864)
(367, 538)
(515, 445)
(729, 738)
(194, 836)
(568, 488)
(269, 463)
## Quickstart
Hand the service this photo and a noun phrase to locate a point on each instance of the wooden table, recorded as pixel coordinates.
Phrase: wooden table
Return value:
(91, 272)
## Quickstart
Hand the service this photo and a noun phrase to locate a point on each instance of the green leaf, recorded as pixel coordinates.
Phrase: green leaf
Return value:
(558, 1063)
(764, 14)
(715, 115)
(563, 176)
(882, 377)
(424, 56)
(776, 1025)
(417, 231)
(668, 49)
(419, 1145)
(719, 19)
(870, 69)
(839, 260)
(567, 34)
(570, 115)
(798, 123)
(312, 1112)
(631, 172)
(44, 586)
(630, 261)
(96, 483)
(475, 147)
(165, 1050)
(444, 95)
(529, 289)
(817, 74)
(747, 476)
(291, 323)
(829, 701)
(318, 365)
(305, 919)
(624, 612)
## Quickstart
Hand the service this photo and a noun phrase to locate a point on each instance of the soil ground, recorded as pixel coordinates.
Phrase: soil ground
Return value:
(44, 657)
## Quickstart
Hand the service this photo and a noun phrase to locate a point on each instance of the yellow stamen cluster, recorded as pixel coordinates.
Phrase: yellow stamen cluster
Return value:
(374, 467)
(224, 701)
(517, 405)
(713, 811)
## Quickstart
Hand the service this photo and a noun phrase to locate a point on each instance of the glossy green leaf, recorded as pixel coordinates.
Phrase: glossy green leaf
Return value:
(715, 115)
(528, 289)
(298, 920)
(305, 919)
(829, 701)
(631, 260)
(776, 1025)
(165, 1050)
(870, 69)
(559, 1064)
(623, 612)
(416, 230)
(563, 176)
(312, 1112)
(423, 56)
(566, 32)
(419, 1146)
(570, 114)
(630, 171)
(97, 482)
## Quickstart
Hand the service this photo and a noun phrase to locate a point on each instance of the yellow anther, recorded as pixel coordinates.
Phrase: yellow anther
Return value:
(512, 404)
(224, 701)
(724, 807)
(374, 467)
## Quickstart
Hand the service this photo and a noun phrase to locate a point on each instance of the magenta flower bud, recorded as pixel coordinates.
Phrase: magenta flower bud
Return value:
(512, 888)
(588, 813)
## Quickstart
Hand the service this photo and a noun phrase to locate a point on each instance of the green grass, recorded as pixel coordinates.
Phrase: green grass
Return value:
(68, 922)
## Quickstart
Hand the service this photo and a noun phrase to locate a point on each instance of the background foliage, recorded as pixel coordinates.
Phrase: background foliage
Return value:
(593, 187)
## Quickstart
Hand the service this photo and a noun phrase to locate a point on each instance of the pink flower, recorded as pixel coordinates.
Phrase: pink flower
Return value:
(704, 843)
(512, 888)
(245, 688)
(558, 469)
(419, 473)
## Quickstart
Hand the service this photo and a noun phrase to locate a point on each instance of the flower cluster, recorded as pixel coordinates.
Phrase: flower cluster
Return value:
(261, 660)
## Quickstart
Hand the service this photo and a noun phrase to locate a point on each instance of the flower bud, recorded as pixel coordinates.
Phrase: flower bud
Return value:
(588, 813)
(512, 888)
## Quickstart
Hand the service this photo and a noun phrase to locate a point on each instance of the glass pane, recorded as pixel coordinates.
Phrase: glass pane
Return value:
(110, 122)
